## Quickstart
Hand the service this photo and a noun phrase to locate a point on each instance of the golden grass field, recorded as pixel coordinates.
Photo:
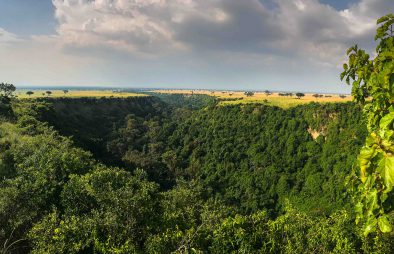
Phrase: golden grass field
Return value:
(75, 94)
(259, 97)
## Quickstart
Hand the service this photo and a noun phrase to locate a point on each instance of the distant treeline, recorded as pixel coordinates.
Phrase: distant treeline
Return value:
(230, 99)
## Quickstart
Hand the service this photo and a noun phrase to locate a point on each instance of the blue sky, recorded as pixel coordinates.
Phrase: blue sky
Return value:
(215, 44)
(28, 17)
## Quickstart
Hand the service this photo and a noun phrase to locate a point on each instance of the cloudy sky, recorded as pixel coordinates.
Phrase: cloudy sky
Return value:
(295, 45)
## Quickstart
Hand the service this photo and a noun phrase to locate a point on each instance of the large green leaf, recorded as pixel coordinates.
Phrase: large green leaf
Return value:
(386, 120)
(386, 171)
(384, 224)
(364, 157)
(372, 201)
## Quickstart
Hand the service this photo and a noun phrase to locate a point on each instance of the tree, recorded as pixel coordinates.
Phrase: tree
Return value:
(6, 94)
(267, 93)
(65, 91)
(46, 161)
(29, 93)
(375, 78)
(342, 96)
(48, 93)
(107, 210)
(249, 94)
(299, 95)
(7, 90)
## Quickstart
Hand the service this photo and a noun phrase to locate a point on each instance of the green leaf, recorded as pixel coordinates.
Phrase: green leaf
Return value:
(386, 170)
(384, 224)
(349, 50)
(359, 208)
(367, 153)
(364, 157)
(382, 19)
(386, 120)
(370, 226)
(372, 201)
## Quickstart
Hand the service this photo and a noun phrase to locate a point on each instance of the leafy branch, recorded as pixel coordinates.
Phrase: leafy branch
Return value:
(372, 83)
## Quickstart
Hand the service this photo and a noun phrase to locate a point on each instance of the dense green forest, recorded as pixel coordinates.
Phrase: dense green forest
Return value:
(269, 148)
(180, 174)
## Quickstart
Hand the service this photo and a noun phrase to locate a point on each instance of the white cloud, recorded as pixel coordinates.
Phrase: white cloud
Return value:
(304, 27)
(131, 25)
(322, 34)
(161, 26)
(7, 37)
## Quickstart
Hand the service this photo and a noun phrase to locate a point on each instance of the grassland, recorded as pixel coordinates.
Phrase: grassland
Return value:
(259, 97)
(75, 94)
(234, 97)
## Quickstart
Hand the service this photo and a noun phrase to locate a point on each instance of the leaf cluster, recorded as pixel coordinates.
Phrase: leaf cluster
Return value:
(373, 85)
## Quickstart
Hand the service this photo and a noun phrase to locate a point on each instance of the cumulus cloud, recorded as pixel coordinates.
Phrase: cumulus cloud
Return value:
(321, 33)
(301, 27)
(160, 26)
(130, 25)
(237, 26)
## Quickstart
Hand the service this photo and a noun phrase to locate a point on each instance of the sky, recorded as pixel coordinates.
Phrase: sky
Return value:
(281, 45)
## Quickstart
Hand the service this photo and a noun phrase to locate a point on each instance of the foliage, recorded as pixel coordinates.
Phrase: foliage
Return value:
(293, 232)
(254, 156)
(6, 95)
(214, 179)
(374, 78)
(33, 171)
(91, 121)
(235, 160)
(106, 211)
(194, 101)
(299, 95)
(7, 90)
